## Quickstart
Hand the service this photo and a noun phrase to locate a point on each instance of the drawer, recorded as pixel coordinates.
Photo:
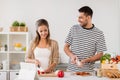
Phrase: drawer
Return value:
(14, 75)
(3, 75)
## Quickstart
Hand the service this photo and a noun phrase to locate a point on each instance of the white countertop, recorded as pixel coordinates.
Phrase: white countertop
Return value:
(68, 76)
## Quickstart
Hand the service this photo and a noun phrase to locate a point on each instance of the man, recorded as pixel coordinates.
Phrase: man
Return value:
(84, 42)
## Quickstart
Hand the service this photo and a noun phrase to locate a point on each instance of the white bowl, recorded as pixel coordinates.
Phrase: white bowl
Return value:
(18, 48)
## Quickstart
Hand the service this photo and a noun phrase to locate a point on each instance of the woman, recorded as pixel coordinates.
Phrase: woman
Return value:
(43, 51)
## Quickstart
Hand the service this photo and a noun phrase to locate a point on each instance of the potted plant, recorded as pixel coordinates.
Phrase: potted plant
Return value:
(18, 27)
(22, 24)
(23, 27)
(15, 26)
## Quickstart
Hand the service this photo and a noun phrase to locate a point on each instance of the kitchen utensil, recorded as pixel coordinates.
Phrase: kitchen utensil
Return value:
(40, 68)
(78, 63)
(48, 75)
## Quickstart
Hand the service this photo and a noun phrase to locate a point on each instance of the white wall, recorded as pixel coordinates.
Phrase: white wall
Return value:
(61, 15)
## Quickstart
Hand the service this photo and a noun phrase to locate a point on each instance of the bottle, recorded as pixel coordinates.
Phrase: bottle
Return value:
(99, 73)
(5, 47)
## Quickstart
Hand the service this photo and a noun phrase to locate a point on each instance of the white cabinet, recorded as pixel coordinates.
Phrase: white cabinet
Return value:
(13, 47)
(3, 75)
(3, 52)
(14, 75)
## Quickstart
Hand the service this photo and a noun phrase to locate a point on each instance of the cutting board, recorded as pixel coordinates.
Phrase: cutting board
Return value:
(48, 75)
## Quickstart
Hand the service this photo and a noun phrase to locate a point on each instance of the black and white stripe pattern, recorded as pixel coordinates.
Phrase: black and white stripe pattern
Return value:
(85, 43)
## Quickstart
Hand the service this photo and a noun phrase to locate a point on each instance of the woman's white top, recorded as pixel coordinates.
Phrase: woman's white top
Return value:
(42, 54)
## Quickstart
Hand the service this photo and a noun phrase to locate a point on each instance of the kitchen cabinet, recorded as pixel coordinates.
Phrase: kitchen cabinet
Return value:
(13, 47)
(14, 75)
(3, 75)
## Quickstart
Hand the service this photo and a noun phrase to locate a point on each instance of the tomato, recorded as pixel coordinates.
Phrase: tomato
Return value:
(42, 72)
(118, 57)
(113, 59)
(59, 73)
(38, 72)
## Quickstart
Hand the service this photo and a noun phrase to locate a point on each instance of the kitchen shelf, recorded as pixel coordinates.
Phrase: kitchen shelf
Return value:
(4, 70)
(2, 52)
(9, 57)
(17, 52)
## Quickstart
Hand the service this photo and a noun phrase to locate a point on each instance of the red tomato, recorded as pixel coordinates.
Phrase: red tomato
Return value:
(42, 72)
(113, 59)
(38, 72)
(118, 57)
(60, 74)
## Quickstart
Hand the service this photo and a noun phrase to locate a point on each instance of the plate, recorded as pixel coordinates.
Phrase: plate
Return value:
(83, 73)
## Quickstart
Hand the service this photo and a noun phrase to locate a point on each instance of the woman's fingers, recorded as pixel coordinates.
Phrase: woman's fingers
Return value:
(47, 71)
(37, 62)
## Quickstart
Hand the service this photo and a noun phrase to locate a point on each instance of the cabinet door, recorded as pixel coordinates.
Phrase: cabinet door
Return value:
(13, 75)
(3, 75)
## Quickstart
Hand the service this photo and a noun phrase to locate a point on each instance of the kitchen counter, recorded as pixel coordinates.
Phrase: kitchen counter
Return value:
(63, 66)
(70, 76)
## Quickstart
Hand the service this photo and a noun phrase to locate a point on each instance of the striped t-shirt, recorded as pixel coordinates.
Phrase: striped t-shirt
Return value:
(85, 43)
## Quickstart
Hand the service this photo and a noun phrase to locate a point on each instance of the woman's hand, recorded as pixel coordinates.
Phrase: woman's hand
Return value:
(48, 70)
(37, 62)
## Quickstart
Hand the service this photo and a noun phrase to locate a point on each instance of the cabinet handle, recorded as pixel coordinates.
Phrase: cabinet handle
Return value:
(17, 73)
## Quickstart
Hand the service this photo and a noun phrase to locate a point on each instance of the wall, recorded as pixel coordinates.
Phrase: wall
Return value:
(61, 15)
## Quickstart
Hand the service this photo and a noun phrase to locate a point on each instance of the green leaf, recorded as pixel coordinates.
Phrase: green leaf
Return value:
(103, 58)
(22, 24)
(15, 24)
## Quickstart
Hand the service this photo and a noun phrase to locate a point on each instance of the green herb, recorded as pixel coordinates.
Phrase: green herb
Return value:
(15, 24)
(22, 24)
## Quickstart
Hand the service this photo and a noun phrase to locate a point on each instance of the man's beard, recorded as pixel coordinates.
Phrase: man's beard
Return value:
(84, 25)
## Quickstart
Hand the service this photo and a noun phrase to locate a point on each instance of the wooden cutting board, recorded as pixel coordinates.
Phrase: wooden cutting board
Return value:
(48, 75)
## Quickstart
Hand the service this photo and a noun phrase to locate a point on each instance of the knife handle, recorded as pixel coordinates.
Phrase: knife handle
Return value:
(38, 66)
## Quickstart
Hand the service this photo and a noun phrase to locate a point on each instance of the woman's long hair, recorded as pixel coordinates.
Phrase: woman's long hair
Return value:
(39, 23)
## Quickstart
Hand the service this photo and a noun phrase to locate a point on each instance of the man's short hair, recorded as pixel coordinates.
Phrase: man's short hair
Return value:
(87, 10)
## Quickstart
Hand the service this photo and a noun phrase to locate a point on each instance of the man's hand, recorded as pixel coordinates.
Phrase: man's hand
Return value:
(69, 53)
(82, 62)
(73, 59)
(79, 63)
